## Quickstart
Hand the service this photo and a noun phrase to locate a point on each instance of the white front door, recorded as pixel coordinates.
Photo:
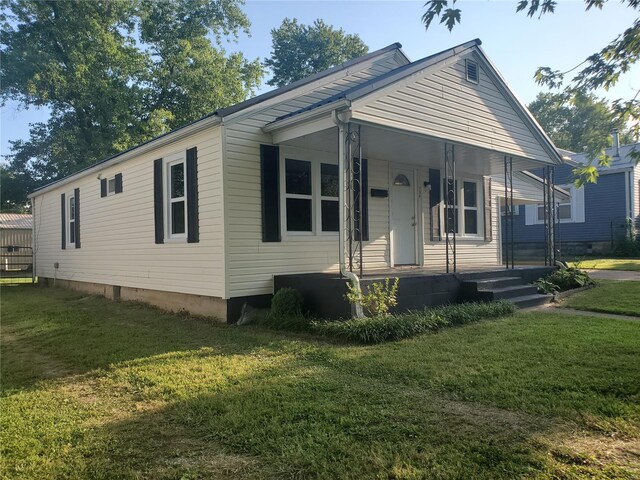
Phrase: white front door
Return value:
(403, 216)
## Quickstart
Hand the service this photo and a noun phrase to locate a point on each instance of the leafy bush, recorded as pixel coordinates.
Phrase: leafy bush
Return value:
(626, 247)
(395, 327)
(287, 302)
(464, 313)
(568, 278)
(380, 297)
(546, 286)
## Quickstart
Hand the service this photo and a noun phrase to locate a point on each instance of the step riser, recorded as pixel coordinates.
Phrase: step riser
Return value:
(533, 302)
(522, 291)
(498, 283)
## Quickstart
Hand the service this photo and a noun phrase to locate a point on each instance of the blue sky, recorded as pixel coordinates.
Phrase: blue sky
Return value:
(516, 44)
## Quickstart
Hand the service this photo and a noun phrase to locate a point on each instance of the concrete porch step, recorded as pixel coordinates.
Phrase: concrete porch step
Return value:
(506, 293)
(528, 301)
(500, 282)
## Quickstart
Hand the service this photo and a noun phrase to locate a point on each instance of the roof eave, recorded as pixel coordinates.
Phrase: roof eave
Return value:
(143, 148)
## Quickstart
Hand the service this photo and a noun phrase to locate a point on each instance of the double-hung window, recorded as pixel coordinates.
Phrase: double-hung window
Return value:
(72, 220)
(310, 197)
(298, 195)
(176, 199)
(329, 197)
(470, 196)
(111, 186)
(464, 213)
(563, 211)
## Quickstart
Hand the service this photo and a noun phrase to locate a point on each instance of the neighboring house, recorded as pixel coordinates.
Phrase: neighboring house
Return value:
(344, 167)
(595, 216)
(15, 241)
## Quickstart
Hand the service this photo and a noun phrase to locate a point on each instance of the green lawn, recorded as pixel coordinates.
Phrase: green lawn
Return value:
(609, 264)
(101, 390)
(610, 296)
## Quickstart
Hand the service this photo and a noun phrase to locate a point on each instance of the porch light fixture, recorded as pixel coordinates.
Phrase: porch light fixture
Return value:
(401, 181)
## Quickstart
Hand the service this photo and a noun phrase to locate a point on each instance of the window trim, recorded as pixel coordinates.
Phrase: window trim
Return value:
(460, 207)
(315, 158)
(570, 188)
(109, 191)
(71, 222)
(169, 161)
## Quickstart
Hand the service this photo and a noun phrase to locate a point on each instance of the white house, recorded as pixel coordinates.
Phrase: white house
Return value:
(343, 169)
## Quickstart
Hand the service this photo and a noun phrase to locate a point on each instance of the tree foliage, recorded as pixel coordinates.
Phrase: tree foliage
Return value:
(602, 69)
(301, 50)
(113, 73)
(577, 123)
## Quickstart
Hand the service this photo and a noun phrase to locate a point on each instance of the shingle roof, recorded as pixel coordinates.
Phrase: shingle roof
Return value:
(624, 158)
(242, 105)
(15, 220)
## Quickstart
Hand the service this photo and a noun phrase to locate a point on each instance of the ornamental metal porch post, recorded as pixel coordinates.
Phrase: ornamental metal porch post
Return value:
(353, 198)
(508, 211)
(450, 203)
(550, 215)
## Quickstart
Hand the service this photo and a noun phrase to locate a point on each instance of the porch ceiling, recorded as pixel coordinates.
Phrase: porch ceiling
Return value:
(414, 149)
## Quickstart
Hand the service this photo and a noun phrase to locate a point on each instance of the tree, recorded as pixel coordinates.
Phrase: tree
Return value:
(114, 73)
(579, 123)
(301, 50)
(600, 70)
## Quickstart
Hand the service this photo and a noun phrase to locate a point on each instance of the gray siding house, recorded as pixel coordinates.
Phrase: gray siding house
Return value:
(595, 216)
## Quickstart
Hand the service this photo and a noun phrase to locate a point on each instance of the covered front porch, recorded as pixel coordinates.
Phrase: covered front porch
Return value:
(410, 203)
(420, 288)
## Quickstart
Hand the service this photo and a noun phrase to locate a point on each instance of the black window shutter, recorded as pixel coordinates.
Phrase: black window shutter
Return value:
(270, 189)
(118, 183)
(488, 230)
(364, 193)
(76, 223)
(103, 187)
(434, 204)
(63, 206)
(193, 227)
(158, 211)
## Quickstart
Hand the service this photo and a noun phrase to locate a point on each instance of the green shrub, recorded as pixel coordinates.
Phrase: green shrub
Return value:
(546, 286)
(464, 313)
(626, 247)
(380, 297)
(568, 278)
(287, 302)
(395, 327)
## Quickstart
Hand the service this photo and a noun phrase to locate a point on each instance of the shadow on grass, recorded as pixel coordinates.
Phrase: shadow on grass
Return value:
(300, 421)
(49, 333)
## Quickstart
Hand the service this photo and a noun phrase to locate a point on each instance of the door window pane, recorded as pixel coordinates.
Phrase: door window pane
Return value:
(298, 215)
(330, 217)
(177, 180)
(298, 177)
(471, 222)
(470, 194)
(328, 180)
(177, 217)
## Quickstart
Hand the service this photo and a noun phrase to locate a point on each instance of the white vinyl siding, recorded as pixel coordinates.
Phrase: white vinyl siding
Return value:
(442, 103)
(118, 240)
(251, 263)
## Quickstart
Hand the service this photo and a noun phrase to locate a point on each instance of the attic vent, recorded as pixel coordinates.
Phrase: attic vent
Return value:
(472, 71)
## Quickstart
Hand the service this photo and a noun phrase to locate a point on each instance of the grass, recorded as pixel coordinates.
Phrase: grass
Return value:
(99, 389)
(632, 264)
(610, 296)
